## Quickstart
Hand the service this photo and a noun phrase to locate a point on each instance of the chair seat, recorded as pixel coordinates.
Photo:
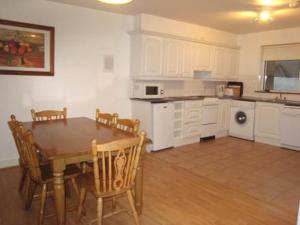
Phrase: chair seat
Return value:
(87, 181)
(47, 175)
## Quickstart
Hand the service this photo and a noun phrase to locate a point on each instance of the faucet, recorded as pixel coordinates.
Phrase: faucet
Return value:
(280, 98)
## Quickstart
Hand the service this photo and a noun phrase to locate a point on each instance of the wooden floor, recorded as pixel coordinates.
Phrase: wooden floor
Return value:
(223, 182)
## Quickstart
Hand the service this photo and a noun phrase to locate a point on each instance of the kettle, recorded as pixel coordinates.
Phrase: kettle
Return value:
(220, 90)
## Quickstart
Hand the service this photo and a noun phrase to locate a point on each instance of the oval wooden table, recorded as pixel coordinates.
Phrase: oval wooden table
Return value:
(68, 141)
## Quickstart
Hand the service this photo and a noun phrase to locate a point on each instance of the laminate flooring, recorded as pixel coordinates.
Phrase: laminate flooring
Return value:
(227, 181)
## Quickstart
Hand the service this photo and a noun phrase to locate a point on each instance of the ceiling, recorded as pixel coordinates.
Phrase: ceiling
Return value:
(235, 16)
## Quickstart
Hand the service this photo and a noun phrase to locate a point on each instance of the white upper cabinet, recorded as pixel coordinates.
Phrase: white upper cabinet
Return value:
(203, 57)
(231, 63)
(226, 62)
(219, 62)
(147, 53)
(172, 58)
(153, 50)
(187, 69)
(178, 58)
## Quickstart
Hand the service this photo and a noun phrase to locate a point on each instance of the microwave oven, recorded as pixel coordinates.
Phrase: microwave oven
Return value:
(147, 90)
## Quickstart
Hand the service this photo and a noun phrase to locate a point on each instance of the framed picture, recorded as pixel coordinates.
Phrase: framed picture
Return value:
(26, 49)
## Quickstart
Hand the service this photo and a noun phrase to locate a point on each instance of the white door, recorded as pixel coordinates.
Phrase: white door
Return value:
(203, 59)
(172, 59)
(152, 56)
(163, 125)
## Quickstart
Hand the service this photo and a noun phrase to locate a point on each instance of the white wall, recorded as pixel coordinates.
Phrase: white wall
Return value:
(250, 56)
(83, 36)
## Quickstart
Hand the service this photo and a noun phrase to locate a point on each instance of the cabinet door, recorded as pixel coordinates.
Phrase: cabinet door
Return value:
(219, 62)
(231, 57)
(172, 58)
(223, 115)
(187, 59)
(267, 120)
(152, 56)
(203, 60)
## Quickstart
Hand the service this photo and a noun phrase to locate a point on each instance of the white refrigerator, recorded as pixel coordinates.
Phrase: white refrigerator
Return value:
(162, 125)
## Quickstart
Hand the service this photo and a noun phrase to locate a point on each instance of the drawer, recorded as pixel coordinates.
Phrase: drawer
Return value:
(192, 104)
(191, 129)
(192, 115)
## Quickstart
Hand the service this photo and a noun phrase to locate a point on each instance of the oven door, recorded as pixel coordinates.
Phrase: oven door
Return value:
(210, 114)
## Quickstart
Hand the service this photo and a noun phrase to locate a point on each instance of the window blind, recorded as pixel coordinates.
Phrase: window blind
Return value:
(281, 52)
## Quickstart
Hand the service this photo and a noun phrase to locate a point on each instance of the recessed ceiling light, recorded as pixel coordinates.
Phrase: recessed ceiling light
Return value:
(115, 2)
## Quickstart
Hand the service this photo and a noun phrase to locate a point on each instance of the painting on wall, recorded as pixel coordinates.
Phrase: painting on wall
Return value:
(26, 49)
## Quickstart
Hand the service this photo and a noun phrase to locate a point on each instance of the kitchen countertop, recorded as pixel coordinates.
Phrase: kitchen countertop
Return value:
(245, 98)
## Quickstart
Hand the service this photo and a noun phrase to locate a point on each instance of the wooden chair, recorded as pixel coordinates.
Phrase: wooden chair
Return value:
(49, 115)
(106, 118)
(40, 175)
(128, 125)
(115, 166)
(13, 124)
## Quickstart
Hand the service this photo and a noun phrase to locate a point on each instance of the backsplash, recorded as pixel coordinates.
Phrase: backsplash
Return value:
(189, 88)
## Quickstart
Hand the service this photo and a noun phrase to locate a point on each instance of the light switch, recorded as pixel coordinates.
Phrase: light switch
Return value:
(108, 63)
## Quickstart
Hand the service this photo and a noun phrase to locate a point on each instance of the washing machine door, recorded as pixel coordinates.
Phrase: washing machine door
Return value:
(240, 117)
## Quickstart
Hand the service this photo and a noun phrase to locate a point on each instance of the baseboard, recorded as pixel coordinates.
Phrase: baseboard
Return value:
(8, 163)
(270, 141)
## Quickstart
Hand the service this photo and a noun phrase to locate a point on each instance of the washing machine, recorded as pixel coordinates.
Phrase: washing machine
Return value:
(242, 119)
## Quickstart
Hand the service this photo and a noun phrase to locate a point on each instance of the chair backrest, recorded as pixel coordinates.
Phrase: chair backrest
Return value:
(29, 150)
(128, 125)
(106, 118)
(13, 124)
(115, 164)
(49, 115)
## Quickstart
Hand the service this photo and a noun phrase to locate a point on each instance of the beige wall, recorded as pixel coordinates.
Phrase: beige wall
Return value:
(250, 56)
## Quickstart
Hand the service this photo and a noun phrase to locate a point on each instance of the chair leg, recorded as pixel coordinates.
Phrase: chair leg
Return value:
(76, 189)
(23, 178)
(67, 189)
(99, 210)
(131, 203)
(31, 191)
(43, 201)
(114, 202)
(81, 202)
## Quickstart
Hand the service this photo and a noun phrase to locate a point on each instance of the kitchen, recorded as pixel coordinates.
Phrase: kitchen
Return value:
(224, 131)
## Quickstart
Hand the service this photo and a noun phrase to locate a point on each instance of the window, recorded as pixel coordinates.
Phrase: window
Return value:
(282, 75)
(281, 68)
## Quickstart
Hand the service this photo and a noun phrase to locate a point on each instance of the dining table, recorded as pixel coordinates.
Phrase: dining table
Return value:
(69, 141)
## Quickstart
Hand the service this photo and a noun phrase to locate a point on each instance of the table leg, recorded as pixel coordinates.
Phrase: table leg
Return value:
(59, 190)
(139, 187)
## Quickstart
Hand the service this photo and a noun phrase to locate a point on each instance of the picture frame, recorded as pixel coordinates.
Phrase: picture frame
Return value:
(26, 49)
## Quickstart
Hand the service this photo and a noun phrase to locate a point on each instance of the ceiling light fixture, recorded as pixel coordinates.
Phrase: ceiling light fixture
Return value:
(264, 16)
(293, 3)
(115, 2)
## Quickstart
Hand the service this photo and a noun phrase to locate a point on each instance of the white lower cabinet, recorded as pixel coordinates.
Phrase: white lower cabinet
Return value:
(267, 123)
(187, 124)
(223, 117)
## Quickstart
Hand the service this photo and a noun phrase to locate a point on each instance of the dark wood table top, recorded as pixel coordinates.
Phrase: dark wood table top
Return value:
(71, 137)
